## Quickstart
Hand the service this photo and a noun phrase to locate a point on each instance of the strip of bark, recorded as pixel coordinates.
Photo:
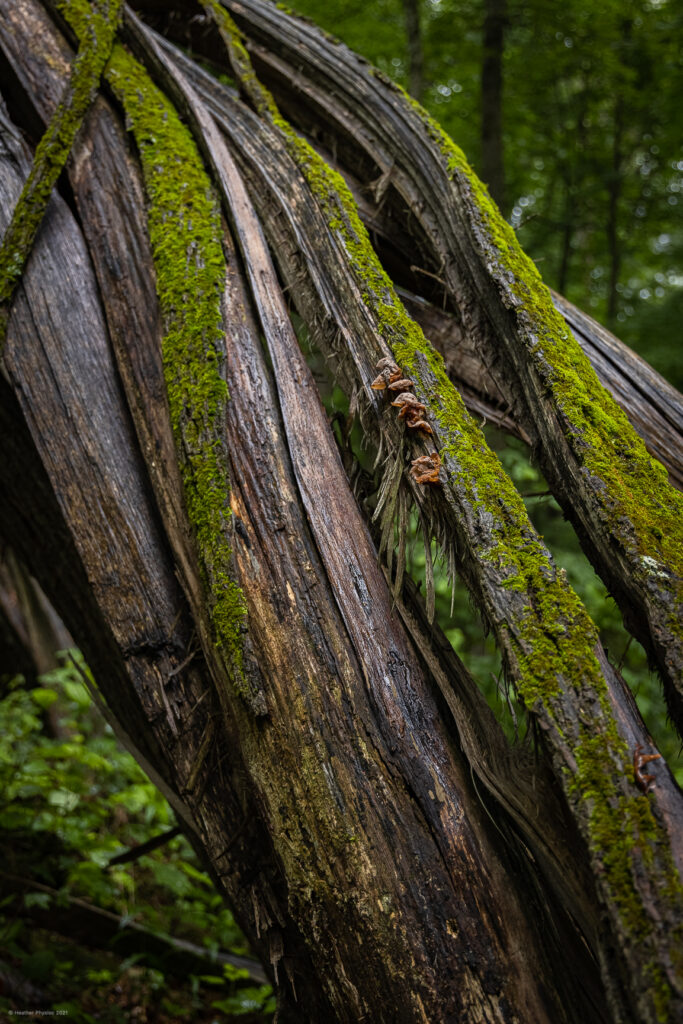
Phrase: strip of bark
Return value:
(53, 150)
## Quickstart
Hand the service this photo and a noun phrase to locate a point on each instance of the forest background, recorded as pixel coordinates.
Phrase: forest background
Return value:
(571, 112)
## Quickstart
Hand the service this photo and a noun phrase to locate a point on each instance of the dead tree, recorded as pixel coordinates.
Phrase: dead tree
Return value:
(170, 478)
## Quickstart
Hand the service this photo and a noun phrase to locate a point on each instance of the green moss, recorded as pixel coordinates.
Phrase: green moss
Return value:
(185, 234)
(623, 835)
(99, 22)
(638, 505)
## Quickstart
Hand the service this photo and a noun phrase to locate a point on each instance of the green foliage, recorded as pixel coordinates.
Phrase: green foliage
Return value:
(76, 786)
(68, 804)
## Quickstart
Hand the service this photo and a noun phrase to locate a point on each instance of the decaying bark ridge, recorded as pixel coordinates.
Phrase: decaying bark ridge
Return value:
(385, 849)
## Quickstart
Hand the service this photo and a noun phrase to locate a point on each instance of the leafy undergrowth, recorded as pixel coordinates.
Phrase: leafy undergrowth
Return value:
(70, 800)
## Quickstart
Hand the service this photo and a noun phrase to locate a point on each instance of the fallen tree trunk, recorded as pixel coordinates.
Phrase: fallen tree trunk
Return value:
(603, 483)
(333, 763)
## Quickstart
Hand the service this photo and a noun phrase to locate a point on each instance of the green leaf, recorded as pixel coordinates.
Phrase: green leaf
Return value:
(37, 899)
(44, 697)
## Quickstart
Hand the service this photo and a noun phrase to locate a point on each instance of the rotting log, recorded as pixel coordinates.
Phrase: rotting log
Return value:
(625, 513)
(335, 860)
(324, 755)
(518, 602)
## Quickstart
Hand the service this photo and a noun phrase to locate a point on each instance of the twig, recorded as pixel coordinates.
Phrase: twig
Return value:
(135, 852)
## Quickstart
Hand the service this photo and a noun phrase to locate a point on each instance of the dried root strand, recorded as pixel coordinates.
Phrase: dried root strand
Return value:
(404, 503)
(390, 482)
(430, 597)
(394, 501)
(388, 511)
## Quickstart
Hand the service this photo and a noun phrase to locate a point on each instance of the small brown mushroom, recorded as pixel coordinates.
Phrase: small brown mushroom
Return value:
(411, 410)
(426, 468)
(390, 375)
(643, 780)
(405, 402)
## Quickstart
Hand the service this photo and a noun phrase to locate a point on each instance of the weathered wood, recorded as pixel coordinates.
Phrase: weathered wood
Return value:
(125, 558)
(341, 812)
(626, 522)
(53, 150)
(349, 558)
(141, 603)
(653, 406)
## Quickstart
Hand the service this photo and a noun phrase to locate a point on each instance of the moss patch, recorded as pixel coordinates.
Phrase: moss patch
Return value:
(638, 505)
(625, 840)
(185, 234)
(99, 24)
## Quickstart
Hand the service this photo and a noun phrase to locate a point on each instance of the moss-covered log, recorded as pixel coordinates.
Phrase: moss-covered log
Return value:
(184, 505)
(624, 510)
(545, 635)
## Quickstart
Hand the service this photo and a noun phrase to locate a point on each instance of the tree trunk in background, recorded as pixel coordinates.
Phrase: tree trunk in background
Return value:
(411, 15)
(389, 854)
(492, 161)
(614, 191)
